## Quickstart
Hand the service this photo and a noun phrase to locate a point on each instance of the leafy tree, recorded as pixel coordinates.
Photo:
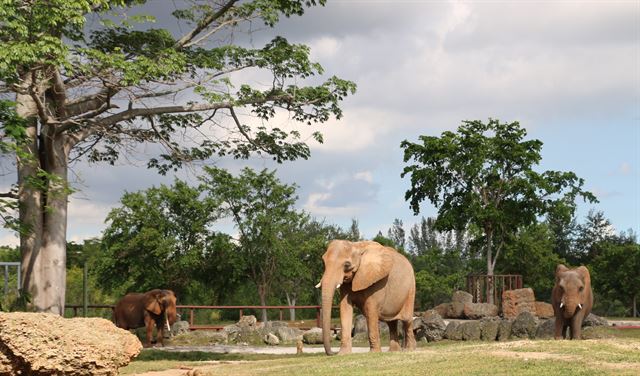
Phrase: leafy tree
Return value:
(353, 234)
(262, 210)
(397, 234)
(482, 176)
(162, 238)
(590, 235)
(96, 92)
(615, 272)
(530, 253)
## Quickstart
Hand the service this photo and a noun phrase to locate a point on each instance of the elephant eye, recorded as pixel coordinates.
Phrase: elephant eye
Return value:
(347, 265)
(581, 288)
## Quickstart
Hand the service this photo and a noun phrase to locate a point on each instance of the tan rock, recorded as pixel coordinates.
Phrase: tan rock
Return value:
(41, 343)
(517, 301)
(544, 310)
(475, 311)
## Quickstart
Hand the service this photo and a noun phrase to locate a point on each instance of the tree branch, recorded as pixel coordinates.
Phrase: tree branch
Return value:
(203, 24)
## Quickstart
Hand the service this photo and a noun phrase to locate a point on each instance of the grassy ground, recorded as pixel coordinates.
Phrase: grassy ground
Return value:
(619, 355)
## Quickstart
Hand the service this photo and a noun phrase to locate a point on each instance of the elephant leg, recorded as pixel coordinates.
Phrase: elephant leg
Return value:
(373, 328)
(409, 337)
(148, 323)
(346, 322)
(576, 326)
(559, 328)
(394, 344)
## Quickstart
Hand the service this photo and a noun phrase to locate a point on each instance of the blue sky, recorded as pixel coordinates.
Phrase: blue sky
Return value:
(569, 71)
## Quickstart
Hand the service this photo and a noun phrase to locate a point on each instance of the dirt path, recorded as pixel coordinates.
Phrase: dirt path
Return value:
(275, 350)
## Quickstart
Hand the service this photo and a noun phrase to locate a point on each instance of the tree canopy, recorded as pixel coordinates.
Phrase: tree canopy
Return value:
(95, 90)
(483, 176)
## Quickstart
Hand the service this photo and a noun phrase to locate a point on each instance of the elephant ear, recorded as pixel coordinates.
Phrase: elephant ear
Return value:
(560, 269)
(375, 264)
(584, 274)
(152, 304)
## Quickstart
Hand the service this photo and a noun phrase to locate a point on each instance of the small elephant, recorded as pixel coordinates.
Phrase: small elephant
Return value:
(156, 307)
(571, 299)
(376, 279)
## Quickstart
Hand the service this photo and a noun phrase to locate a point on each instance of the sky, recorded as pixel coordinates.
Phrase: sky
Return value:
(568, 71)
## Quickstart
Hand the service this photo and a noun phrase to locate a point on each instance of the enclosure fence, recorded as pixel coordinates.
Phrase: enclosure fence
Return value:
(482, 286)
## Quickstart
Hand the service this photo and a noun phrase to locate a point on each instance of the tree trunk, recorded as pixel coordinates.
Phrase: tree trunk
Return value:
(262, 293)
(42, 212)
(490, 267)
(291, 301)
(635, 307)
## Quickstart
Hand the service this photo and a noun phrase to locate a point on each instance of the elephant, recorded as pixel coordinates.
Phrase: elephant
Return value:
(156, 307)
(379, 281)
(571, 299)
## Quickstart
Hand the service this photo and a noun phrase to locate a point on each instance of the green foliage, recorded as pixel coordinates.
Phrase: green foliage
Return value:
(531, 255)
(482, 176)
(160, 238)
(615, 272)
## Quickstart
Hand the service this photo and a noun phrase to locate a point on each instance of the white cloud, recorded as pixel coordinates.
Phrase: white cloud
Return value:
(9, 240)
(364, 175)
(316, 205)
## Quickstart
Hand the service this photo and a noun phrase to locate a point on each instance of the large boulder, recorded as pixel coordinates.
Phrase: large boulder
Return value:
(360, 326)
(544, 310)
(442, 309)
(430, 326)
(524, 326)
(275, 324)
(470, 330)
(312, 336)
(516, 301)
(461, 297)
(200, 338)
(476, 311)
(248, 322)
(455, 310)
(489, 328)
(180, 327)
(287, 334)
(593, 320)
(546, 329)
(453, 331)
(232, 332)
(48, 344)
(504, 329)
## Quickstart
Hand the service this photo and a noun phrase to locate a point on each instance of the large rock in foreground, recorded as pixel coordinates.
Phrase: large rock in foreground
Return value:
(47, 344)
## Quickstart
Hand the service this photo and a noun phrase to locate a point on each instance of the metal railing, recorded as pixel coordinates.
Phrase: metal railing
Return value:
(192, 308)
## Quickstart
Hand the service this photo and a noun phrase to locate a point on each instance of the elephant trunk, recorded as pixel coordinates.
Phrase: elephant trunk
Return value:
(570, 308)
(328, 290)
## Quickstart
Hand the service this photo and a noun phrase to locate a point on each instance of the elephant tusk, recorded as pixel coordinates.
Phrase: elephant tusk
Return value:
(561, 304)
(168, 326)
(318, 285)
(338, 285)
(579, 305)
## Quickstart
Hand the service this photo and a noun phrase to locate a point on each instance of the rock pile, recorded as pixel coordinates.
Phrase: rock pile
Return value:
(47, 344)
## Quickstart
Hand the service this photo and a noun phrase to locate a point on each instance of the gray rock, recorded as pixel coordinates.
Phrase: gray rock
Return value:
(312, 336)
(180, 327)
(271, 339)
(453, 331)
(430, 326)
(232, 332)
(360, 326)
(593, 320)
(461, 297)
(525, 325)
(286, 334)
(476, 311)
(470, 330)
(275, 324)
(489, 328)
(546, 329)
(504, 329)
(248, 322)
(455, 310)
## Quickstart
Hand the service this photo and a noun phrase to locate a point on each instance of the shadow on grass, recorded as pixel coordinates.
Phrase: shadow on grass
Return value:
(201, 356)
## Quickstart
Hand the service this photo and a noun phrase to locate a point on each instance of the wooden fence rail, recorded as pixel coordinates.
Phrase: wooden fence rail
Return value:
(192, 308)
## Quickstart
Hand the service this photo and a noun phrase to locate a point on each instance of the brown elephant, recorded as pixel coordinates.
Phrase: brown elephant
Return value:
(376, 279)
(156, 307)
(572, 300)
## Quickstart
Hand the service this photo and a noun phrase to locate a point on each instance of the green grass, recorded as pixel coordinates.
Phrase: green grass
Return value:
(610, 356)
